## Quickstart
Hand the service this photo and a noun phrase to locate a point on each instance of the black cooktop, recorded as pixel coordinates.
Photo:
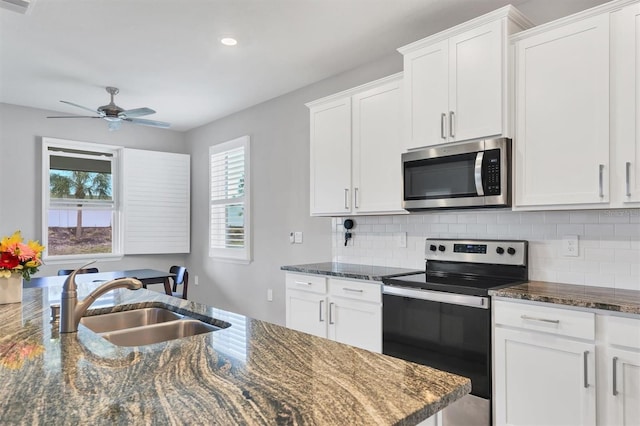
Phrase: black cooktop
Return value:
(473, 285)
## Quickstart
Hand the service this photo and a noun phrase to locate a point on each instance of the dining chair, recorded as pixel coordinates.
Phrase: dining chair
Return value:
(80, 271)
(181, 278)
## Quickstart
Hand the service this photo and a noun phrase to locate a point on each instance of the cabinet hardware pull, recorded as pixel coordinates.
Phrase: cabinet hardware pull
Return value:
(355, 290)
(321, 319)
(615, 374)
(303, 283)
(443, 119)
(628, 178)
(601, 179)
(346, 198)
(586, 369)
(527, 317)
(331, 313)
(452, 123)
(355, 195)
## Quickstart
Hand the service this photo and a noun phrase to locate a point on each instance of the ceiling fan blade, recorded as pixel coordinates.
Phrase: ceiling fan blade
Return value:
(80, 106)
(151, 123)
(74, 116)
(137, 112)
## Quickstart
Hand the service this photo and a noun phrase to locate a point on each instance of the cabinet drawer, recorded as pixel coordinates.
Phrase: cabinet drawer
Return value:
(623, 331)
(312, 283)
(358, 290)
(558, 321)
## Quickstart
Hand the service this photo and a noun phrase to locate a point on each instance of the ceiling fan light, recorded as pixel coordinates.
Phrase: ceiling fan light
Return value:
(114, 125)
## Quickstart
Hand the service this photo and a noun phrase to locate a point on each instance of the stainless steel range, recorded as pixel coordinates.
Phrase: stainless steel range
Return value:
(442, 318)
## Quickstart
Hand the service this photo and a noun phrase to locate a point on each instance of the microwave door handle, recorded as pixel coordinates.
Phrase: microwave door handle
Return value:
(478, 173)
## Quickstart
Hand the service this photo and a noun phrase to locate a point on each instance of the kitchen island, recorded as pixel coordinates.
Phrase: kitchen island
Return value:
(252, 372)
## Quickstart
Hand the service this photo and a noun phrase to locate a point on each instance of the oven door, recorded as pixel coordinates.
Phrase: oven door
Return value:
(450, 332)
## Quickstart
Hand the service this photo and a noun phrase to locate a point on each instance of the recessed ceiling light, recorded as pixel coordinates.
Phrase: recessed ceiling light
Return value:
(229, 41)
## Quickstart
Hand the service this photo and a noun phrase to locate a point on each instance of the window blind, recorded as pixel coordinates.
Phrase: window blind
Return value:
(229, 200)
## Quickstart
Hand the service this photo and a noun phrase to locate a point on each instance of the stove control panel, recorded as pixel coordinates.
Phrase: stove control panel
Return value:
(504, 252)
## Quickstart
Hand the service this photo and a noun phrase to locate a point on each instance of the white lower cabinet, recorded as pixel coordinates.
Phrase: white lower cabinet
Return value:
(558, 366)
(346, 311)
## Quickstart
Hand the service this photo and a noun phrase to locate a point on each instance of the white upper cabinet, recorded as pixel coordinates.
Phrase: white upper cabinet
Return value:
(576, 123)
(625, 106)
(331, 157)
(455, 81)
(355, 150)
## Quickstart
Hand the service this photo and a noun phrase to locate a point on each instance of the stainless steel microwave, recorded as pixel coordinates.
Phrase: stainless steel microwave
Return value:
(461, 175)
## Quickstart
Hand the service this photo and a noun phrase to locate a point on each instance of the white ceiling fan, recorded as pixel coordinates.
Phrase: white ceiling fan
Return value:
(115, 115)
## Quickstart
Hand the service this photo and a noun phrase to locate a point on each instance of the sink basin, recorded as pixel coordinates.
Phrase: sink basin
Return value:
(139, 327)
(128, 319)
(146, 335)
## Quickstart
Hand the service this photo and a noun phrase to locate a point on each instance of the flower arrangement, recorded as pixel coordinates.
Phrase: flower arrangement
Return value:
(18, 257)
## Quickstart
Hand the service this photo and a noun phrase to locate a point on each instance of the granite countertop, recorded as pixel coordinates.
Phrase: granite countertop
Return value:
(253, 372)
(610, 299)
(350, 270)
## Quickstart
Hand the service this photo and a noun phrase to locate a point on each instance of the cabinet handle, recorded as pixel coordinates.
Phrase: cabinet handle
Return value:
(321, 319)
(452, 123)
(527, 317)
(346, 198)
(355, 195)
(443, 119)
(586, 369)
(615, 373)
(331, 313)
(601, 179)
(628, 178)
(354, 290)
(303, 283)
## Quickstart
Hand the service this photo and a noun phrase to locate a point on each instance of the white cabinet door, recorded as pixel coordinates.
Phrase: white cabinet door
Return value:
(542, 379)
(476, 83)
(625, 105)
(562, 115)
(331, 157)
(356, 323)
(306, 312)
(377, 173)
(623, 387)
(426, 95)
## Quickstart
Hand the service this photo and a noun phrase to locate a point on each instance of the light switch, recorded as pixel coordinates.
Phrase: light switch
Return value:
(297, 237)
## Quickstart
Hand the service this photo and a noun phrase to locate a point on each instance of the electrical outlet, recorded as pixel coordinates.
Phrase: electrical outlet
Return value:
(401, 239)
(269, 295)
(195, 280)
(570, 246)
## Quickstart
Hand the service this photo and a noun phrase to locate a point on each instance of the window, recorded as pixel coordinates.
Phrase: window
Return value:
(80, 200)
(229, 194)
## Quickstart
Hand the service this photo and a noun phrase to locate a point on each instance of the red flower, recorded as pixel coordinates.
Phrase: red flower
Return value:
(8, 261)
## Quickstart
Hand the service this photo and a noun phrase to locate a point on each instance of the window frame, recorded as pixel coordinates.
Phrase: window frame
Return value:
(116, 188)
(233, 254)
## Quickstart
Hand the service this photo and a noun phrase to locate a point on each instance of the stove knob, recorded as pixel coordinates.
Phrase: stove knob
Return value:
(433, 247)
(441, 248)
(500, 250)
(511, 251)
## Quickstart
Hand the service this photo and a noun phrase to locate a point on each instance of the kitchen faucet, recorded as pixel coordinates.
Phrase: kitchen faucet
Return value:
(71, 310)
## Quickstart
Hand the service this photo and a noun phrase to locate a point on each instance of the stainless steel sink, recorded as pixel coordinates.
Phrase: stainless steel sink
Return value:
(138, 327)
(156, 333)
(128, 319)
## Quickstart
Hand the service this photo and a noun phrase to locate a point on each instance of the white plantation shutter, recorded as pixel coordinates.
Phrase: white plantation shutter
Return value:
(156, 202)
(229, 236)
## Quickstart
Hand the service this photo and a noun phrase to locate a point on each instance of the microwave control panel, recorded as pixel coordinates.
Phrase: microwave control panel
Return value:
(491, 172)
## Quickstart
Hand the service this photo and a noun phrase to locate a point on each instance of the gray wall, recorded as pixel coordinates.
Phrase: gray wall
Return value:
(279, 131)
(21, 130)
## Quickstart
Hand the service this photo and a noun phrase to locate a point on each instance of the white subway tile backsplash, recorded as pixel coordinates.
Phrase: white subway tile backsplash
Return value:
(609, 241)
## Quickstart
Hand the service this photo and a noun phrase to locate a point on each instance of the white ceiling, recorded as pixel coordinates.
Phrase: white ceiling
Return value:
(166, 55)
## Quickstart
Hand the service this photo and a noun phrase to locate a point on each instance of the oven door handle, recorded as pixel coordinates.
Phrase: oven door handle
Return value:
(437, 296)
(478, 173)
